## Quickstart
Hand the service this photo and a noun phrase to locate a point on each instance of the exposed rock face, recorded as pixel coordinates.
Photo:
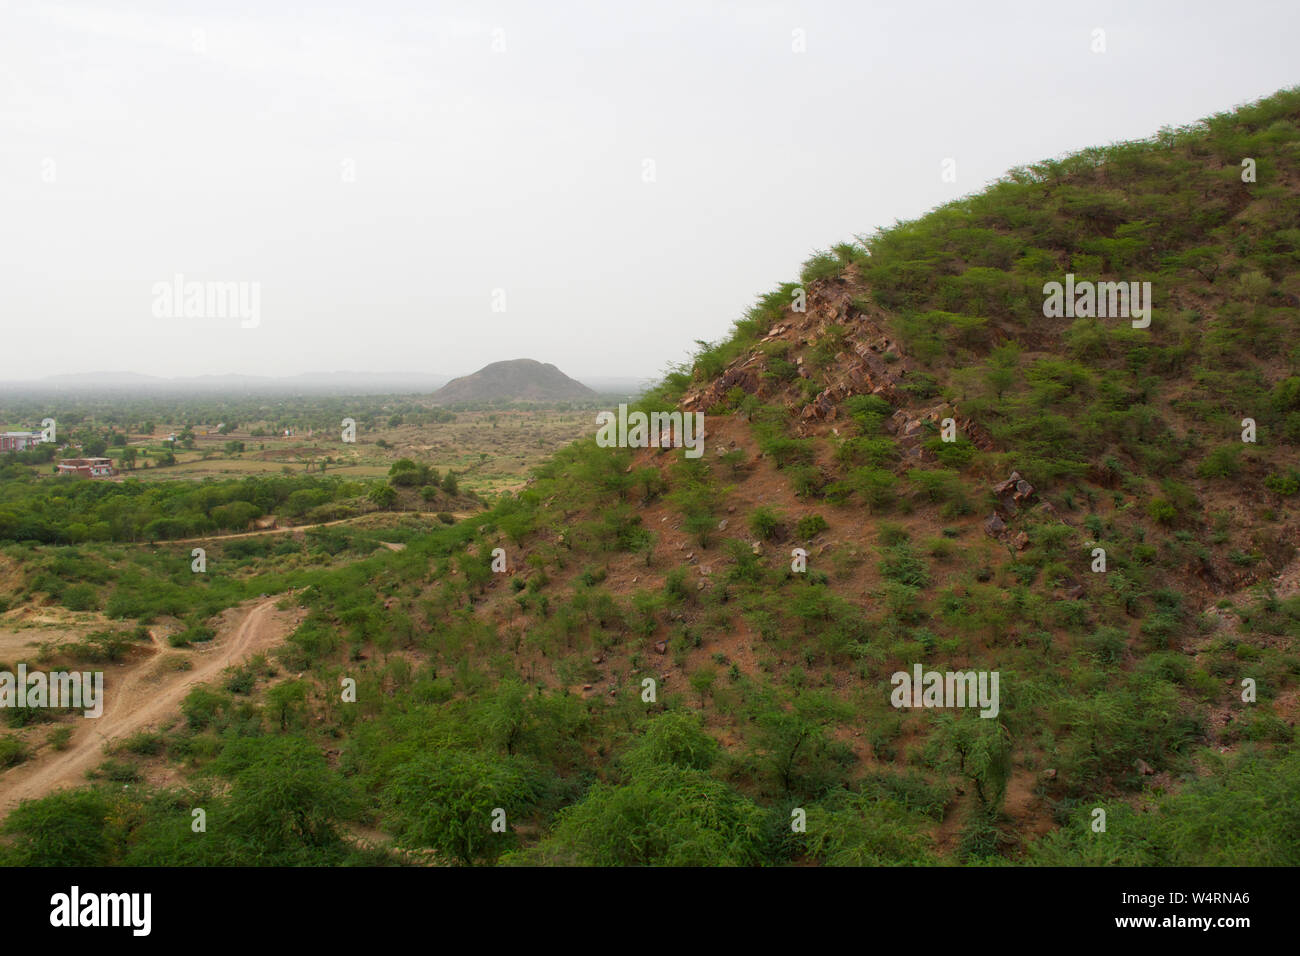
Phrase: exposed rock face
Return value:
(857, 370)
(745, 375)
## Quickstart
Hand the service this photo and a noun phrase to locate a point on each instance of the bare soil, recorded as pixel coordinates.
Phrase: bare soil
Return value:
(143, 694)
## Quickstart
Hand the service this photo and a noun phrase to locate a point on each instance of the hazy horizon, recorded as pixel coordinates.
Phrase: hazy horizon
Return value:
(332, 381)
(384, 176)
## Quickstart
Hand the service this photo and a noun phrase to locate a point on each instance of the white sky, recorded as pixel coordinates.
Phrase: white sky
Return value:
(522, 170)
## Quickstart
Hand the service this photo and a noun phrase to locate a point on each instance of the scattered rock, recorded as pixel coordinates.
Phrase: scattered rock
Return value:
(1022, 541)
(994, 525)
(1143, 767)
(661, 647)
(1014, 491)
(722, 525)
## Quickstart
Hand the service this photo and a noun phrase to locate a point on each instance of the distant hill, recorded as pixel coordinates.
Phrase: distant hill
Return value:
(519, 380)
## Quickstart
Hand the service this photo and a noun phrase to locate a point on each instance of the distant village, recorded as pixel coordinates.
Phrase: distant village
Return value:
(98, 467)
(80, 467)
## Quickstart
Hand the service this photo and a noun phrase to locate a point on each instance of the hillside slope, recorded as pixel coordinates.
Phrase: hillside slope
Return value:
(656, 678)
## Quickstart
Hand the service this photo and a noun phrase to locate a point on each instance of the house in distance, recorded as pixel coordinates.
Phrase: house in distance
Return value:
(19, 441)
(87, 467)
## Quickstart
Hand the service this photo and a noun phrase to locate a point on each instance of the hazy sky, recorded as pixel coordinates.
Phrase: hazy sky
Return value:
(380, 168)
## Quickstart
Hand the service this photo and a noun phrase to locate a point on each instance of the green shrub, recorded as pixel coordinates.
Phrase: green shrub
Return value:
(809, 526)
(195, 634)
(1223, 462)
(763, 523)
(903, 566)
(79, 597)
(1285, 483)
(12, 751)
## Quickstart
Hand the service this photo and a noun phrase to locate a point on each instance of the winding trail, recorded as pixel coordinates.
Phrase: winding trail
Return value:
(288, 529)
(140, 694)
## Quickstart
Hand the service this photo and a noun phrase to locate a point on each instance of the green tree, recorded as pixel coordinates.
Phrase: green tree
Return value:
(382, 495)
(666, 816)
(448, 800)
(702, 680)
(285, 803)
(67, 828)
(285, 699)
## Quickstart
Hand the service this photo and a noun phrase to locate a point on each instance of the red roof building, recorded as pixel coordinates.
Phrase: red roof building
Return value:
(87, 467)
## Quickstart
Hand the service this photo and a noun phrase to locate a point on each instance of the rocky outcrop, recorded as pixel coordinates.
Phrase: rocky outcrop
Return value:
(1012, 495)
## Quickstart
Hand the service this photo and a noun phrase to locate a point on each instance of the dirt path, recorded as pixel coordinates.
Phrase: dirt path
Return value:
(140, 695)
(301, 527)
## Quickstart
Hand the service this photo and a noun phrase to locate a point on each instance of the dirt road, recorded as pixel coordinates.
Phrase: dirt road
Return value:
(143, 694)
(302, 527)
